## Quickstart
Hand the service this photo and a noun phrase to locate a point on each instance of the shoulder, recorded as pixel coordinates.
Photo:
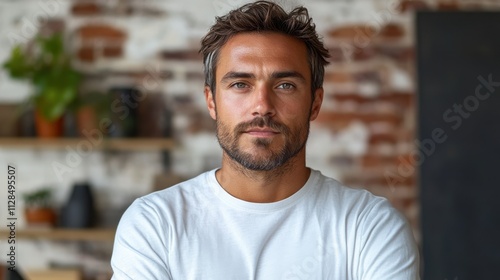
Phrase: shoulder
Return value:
(164, 206)
(361, 201)
(359, 209)
(185, 192)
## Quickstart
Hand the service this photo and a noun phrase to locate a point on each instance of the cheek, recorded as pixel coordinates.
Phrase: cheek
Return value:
(297, 111)
(232, 108)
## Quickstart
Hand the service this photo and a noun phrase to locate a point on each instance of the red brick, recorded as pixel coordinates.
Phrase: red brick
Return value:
(391, 31)
(378, 138)
(371, 161)
(349, 97)
(401, 99)
(407, 5)
(103, 32)
(352, 51)
(448, 6)
(114, 52)
(373, 180)
(86, 54)
(338, 77)
(397, 53)
(348, 117)
(85, 9)
(334, 125)
(381, 135)
(406, 136)
(362, 54)
(352, 32)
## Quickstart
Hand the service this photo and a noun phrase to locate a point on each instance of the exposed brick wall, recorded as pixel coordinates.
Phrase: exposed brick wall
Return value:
(370, 81)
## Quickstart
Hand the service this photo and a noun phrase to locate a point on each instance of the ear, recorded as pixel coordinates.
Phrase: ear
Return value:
(209, 98)
(318, 100)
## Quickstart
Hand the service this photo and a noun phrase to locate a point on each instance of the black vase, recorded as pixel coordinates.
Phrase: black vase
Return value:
(79, 210)
(124, 108)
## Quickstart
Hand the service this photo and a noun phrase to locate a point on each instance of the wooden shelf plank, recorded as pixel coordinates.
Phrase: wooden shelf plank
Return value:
(53, 274)
(130, 144)
(62, 234)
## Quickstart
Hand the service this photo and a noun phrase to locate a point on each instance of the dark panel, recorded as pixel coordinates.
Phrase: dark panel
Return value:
(458, 52)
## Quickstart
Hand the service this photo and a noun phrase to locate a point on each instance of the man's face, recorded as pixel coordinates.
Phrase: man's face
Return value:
(263, 101)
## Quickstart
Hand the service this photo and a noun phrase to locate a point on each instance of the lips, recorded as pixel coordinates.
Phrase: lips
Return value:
(262, 132)
(261, 126)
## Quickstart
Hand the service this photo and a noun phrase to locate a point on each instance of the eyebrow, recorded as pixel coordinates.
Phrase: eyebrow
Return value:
(236, 75)
(275, 75)
(287, 74)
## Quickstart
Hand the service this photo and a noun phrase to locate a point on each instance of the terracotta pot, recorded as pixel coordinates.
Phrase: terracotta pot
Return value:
(40, 216)
(86, 120)
(48, 129)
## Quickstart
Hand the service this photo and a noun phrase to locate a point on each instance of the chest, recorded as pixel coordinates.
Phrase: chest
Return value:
(288, 245)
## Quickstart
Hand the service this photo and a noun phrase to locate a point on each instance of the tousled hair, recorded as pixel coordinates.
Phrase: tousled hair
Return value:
(262, 16)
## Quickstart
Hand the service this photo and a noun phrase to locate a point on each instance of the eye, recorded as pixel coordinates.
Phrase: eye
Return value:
(239, 85)
(287, 86)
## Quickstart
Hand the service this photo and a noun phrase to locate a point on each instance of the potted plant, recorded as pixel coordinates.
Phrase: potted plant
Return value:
(38, 210)
(48, 67)
(89, 109)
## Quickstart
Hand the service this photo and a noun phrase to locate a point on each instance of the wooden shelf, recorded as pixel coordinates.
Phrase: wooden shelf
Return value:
(129, 144)
(63, 234)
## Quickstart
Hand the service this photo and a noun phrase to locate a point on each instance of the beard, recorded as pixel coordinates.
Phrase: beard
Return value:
(295, 141)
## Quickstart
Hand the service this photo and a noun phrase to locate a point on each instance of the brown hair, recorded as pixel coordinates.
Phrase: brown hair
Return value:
(264, 16)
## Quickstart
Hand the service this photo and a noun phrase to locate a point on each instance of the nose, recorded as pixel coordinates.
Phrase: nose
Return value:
(263, 103)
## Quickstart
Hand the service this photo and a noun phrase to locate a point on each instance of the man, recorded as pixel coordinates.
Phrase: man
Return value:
(263, 214)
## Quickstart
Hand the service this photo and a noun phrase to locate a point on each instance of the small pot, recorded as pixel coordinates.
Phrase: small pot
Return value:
(86, 120)
(46, 128)
(40, 216)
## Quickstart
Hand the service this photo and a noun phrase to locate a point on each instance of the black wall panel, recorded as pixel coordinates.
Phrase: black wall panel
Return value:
(458, 62)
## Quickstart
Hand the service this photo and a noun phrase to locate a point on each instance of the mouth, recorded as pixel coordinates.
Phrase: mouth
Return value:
(261, 132)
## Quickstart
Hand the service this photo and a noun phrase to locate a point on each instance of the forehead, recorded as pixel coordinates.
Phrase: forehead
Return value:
(265, 51)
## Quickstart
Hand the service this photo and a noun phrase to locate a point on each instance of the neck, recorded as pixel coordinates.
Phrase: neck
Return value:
(263, 186)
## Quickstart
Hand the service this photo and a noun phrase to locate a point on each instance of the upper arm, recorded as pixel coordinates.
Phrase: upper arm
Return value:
(388, 249)
(140, 249)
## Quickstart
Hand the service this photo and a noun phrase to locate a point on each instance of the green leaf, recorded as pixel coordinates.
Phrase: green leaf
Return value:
(55, 81)
(17, 65)
(52, 47)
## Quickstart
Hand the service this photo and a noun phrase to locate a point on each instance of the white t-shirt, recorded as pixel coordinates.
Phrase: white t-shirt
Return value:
(196, 230)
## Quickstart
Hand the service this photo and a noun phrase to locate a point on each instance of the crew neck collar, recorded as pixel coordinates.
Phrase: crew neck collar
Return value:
(256, 206)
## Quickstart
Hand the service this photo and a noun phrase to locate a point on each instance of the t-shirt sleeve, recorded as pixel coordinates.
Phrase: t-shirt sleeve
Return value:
(140, 248)
(388, 249)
